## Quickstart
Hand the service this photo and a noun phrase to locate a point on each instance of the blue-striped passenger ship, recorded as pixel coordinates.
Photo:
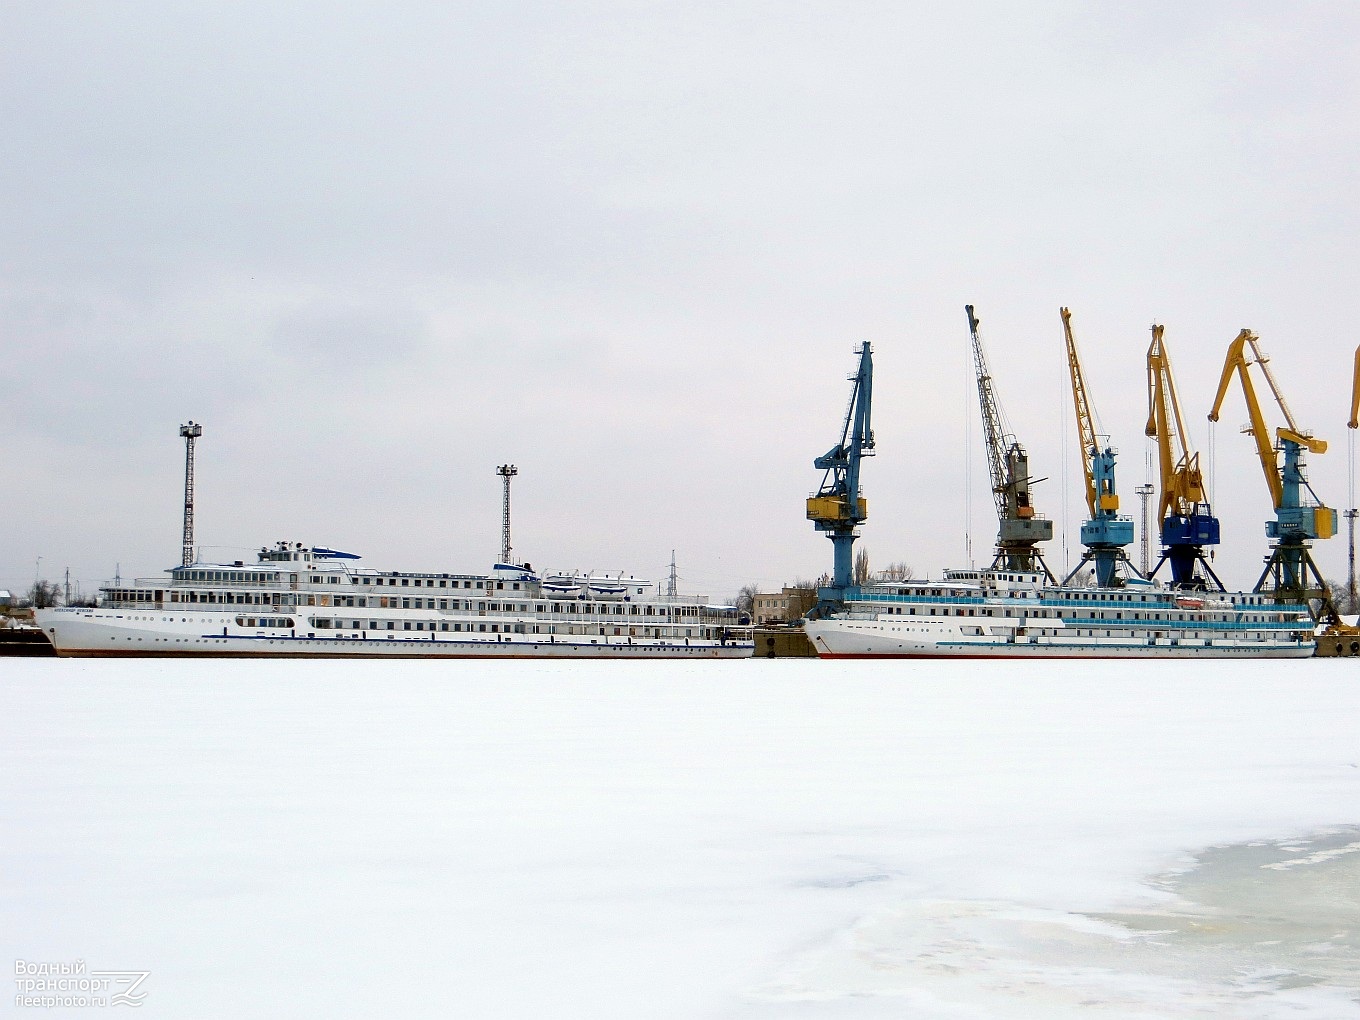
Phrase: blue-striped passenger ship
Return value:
(998, 613)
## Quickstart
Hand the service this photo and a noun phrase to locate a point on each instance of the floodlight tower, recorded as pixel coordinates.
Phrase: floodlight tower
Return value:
(189, 432)
(1145, 492)
(507, 472)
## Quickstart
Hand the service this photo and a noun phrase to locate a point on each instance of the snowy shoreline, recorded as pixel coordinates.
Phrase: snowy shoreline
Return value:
(675, 840)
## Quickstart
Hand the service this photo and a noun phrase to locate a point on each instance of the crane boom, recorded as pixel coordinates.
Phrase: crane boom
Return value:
(1182, 480)
(994, 432)
(1265, 449)
(1106, 533)
(1008, 465)
(1086, 426)
(1354, 423)
(1256, 428)
(1184, 517)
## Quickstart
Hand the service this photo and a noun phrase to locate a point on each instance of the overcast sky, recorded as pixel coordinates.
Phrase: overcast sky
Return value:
(379, 249)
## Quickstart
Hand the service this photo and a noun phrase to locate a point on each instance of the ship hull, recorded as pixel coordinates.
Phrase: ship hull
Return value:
(834, 639)
(86, 635)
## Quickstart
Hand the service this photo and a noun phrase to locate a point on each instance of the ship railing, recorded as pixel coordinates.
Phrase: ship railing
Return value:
(970, 600)
(169, 584)
(706, 616)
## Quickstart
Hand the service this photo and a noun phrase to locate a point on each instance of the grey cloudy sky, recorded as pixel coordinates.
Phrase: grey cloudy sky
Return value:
(379, 249)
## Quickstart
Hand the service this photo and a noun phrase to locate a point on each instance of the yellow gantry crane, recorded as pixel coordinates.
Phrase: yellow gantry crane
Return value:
(1105, 533)
(1290, 574)
(1185, 518)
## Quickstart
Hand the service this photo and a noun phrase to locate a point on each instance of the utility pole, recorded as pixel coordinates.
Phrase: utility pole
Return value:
(68, 586)
(189, 432)
(507, 472)
(1145, 492)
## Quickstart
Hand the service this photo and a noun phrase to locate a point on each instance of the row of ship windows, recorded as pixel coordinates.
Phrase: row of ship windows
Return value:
(264, 577)
(484, 628)
(1154, 636)
(384, 602)
(1099, 614)
(380, 602)
(409, 582)
(1076, 596)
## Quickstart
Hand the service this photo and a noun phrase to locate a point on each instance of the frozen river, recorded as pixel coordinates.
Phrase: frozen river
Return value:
(778, 839)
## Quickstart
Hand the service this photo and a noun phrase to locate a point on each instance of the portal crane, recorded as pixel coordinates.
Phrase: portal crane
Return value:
(1106, 533)
(1184, 514)
(1020, 529)
(1290, 574)
(837, 508)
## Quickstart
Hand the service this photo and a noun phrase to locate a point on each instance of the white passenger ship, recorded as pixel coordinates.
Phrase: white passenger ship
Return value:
(299, 601)
(990, 614)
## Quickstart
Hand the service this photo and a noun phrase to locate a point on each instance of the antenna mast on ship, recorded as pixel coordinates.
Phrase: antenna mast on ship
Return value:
(507, 472)
(671, 586)
(189, 432)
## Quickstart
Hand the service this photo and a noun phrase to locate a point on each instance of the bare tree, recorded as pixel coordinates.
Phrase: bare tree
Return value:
(861, 574)
(44, 594)
(898, 571)
(1341, 597)
(746, 599)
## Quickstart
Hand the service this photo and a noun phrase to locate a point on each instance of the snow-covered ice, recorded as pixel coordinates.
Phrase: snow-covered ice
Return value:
(768, 839)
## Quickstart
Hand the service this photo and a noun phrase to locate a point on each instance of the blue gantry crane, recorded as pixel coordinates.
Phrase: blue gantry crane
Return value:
(1106, 533)
(837, 507)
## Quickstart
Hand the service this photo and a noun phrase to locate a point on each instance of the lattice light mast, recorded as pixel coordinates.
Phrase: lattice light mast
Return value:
(1351, 597)
(189, 432)
(1145, 492)
(507, 472)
